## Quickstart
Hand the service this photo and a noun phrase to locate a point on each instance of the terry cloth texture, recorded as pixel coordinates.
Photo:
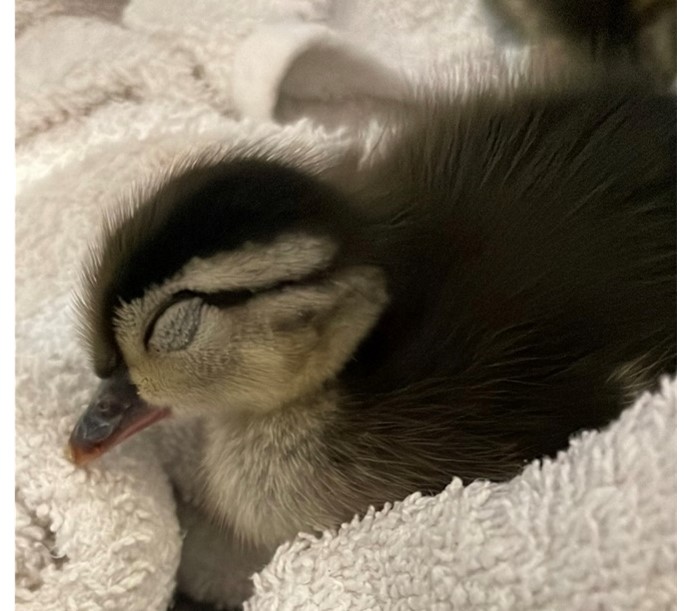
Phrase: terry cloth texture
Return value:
(593, 529)
(107, 98)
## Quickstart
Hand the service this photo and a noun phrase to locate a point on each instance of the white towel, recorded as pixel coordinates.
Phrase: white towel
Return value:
(103, 104)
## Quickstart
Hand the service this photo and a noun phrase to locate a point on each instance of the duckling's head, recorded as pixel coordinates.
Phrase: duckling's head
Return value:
(234, 288)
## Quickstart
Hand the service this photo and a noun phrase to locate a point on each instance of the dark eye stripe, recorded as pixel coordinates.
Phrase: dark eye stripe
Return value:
(227, 299)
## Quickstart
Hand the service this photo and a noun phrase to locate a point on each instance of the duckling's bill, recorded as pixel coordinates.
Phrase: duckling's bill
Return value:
(115, 413)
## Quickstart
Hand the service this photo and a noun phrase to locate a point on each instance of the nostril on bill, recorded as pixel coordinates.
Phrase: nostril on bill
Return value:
(109, 408)
(99, 422)
(103, 408)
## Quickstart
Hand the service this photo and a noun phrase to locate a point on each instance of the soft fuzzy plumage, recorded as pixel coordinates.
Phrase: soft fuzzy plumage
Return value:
(527, 247)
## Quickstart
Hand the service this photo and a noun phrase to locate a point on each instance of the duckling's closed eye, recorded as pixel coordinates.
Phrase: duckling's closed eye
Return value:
(175, 325)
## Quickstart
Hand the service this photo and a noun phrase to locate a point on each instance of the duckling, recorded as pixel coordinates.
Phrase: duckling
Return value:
(501, 278)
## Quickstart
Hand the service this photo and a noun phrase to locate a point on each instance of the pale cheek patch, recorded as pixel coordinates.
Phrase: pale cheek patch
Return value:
(272, 349)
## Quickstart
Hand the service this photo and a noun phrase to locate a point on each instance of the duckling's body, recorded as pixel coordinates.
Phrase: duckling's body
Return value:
(502, 279)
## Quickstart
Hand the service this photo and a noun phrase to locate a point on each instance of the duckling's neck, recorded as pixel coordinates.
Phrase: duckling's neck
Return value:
(266, 473)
